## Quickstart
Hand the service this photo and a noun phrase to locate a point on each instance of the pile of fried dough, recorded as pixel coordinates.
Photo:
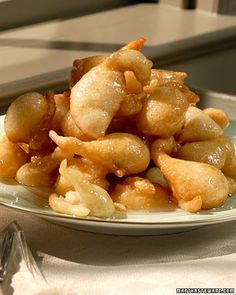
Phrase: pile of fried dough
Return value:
(125, 136)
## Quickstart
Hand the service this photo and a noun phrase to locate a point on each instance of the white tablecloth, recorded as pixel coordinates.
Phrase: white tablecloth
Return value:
(75, 262)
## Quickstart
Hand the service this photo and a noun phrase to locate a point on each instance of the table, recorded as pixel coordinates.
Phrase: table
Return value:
(45, 47)
(102, 264)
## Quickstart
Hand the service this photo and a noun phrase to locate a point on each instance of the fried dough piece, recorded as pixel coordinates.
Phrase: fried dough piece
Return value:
(198, 126)
(62, 104)
(165, 77)
(135, 44)
(64, 205)
(121, 153)
(86, 196)
(28, 119)
(195, 185)
(163, 112)
(84, 65)
(165, 145)
(95, 99)
(232, 185)
(97, 96)
(191, 96)
(219, 116)
(92, 172)
(12, 158)
(132, 85)
(217, 152)
(69, 128)
(39, 171)
(131, 105)
(173, 79)
(139, 193)
(229, 168)
(24, 115)
(130, 60)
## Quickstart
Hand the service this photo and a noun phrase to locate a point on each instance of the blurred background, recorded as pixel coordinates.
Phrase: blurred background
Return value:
(40, 39)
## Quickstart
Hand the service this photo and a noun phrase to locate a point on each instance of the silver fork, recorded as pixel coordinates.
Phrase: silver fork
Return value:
(13, 249)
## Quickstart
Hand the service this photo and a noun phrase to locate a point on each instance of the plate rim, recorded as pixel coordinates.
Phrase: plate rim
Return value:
(120, 222)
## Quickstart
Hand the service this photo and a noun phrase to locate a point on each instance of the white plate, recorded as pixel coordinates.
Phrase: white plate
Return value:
(34, 201)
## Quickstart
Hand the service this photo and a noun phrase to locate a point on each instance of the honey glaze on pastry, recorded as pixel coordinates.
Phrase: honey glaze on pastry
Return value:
(123, 137)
